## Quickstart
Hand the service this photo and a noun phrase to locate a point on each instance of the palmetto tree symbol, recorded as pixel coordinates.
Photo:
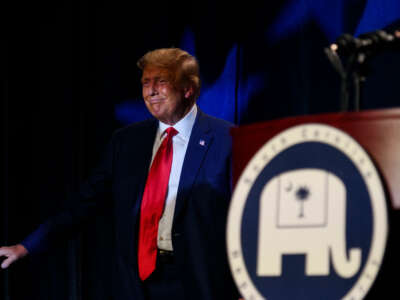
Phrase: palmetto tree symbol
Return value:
(302, 194)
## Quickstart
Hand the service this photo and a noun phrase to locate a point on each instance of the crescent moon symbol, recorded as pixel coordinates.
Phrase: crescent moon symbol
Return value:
(289, 187)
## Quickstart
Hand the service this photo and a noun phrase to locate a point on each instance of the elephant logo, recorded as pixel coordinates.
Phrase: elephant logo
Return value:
(308, 218)
(304, 212)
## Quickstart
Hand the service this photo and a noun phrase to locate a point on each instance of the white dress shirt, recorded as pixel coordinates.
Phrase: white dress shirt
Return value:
(180, 143)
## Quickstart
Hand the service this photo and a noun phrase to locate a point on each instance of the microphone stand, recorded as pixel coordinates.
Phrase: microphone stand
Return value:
(353, 68)
(352, 73)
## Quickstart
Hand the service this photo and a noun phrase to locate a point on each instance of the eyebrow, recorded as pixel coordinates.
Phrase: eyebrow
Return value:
(144, 79)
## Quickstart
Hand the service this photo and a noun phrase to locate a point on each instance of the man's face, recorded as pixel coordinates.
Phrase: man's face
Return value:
(165, 101)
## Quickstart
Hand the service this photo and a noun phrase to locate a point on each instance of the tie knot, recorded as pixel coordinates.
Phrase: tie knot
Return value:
(171, 132)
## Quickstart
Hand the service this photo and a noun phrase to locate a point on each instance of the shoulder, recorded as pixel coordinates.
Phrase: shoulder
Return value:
(216, 124)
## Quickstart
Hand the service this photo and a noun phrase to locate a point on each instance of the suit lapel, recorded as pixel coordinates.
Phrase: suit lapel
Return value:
(199, 143)
(142, 161)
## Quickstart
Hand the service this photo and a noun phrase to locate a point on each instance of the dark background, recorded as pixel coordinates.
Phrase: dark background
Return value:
(69, 79)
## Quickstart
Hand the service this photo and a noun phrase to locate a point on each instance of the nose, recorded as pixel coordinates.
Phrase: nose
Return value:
(153, 89)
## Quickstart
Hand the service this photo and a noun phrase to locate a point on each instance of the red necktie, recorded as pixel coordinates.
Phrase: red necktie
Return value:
(152, 205)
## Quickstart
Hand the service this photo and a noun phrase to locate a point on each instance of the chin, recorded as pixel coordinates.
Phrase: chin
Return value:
(160, 117)
(156, 113)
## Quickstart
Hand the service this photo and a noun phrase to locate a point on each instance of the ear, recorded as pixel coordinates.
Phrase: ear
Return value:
(188, 92)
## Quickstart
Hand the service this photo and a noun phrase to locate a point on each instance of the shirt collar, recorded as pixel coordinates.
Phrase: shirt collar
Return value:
(184, 126)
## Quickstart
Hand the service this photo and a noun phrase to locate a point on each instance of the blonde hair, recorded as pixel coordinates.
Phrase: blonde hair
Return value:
(182, 66)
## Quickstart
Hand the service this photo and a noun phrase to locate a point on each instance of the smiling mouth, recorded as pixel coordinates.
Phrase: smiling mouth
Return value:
(154, 101)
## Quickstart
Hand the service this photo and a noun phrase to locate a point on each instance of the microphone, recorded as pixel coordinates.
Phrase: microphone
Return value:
(368, 43)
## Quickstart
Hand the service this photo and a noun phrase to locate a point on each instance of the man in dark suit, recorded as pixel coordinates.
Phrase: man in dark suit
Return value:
(170, 180)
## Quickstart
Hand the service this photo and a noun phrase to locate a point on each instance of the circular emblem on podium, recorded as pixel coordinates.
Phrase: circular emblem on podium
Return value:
(308, 218)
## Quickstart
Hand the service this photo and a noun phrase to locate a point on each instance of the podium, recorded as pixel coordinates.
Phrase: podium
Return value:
(378, 133)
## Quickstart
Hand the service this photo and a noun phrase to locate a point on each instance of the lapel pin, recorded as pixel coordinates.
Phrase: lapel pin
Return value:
(202, 143)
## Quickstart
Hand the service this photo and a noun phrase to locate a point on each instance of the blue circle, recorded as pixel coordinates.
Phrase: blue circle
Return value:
(293, 283)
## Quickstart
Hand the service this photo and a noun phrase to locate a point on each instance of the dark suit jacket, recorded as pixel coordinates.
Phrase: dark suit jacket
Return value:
(198, 233)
